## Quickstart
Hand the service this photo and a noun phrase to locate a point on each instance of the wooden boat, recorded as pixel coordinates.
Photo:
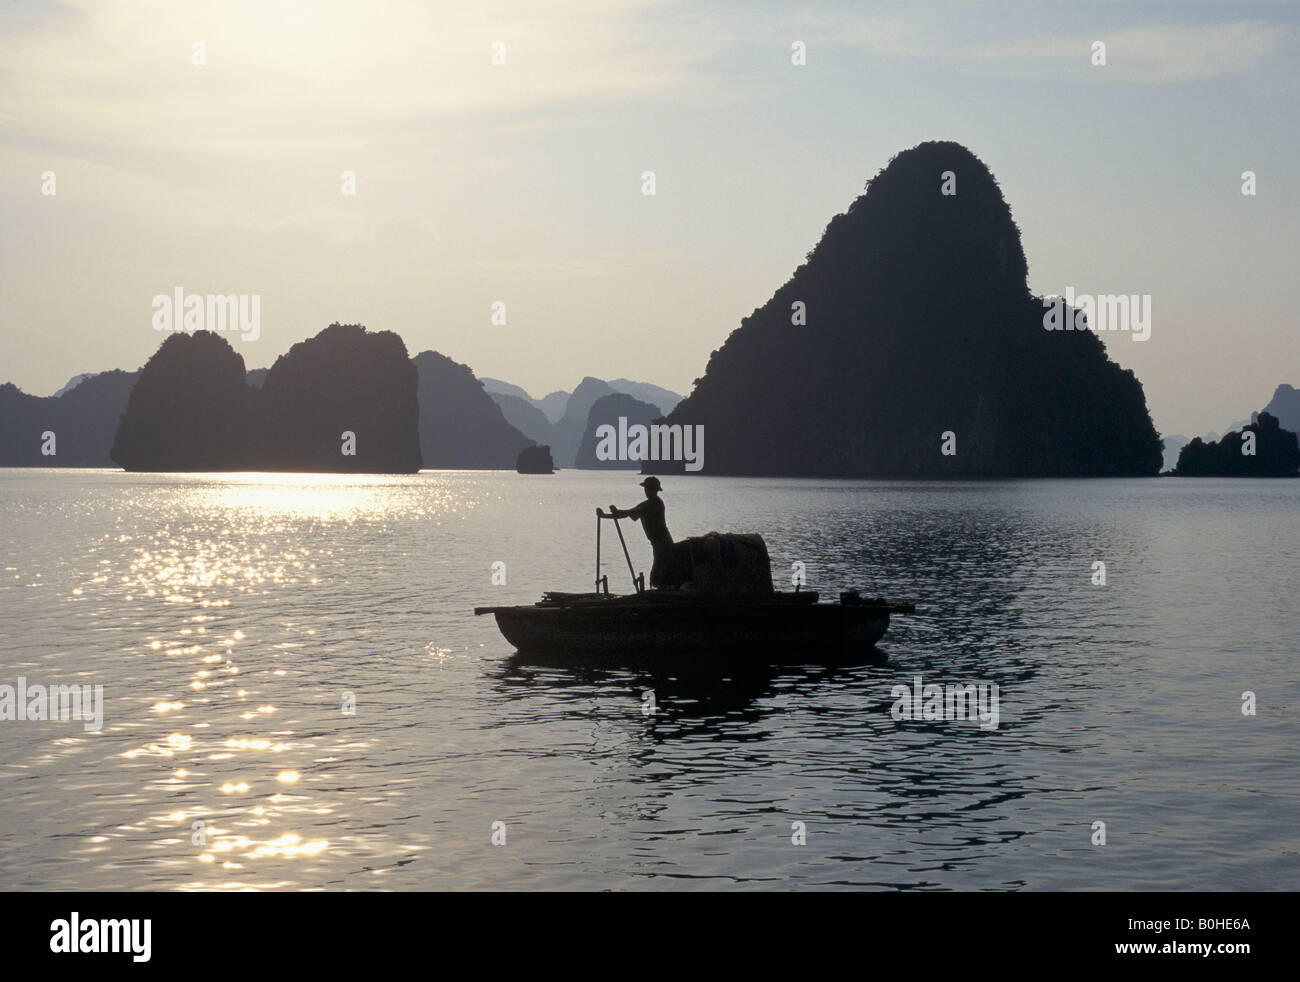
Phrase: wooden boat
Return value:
(671, 622)
(728, 605)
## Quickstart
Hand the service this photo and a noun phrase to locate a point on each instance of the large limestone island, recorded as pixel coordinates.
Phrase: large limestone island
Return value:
(910, 330)
(343, 401)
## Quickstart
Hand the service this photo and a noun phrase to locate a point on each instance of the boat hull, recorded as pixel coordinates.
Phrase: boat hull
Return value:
(696, 628)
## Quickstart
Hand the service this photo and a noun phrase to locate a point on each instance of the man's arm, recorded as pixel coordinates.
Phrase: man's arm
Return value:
(632, 513)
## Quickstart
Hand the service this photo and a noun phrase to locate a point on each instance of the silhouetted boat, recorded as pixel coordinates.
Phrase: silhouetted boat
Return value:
(669, 621)
(726, 604)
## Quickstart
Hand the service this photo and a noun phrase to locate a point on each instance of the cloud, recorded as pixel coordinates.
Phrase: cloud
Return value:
(285, 76)
(1037, 45)
(1176, 53)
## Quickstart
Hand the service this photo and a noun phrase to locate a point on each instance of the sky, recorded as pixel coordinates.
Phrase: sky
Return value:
(521, 183)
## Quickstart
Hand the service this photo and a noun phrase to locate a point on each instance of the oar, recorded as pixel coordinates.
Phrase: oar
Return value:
(599, 515)
(626, 554)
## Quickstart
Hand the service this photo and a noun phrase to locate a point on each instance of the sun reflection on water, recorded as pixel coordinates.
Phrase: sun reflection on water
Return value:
(243, 798)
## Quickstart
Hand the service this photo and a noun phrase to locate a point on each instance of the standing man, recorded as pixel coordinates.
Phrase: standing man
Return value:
(650, 513)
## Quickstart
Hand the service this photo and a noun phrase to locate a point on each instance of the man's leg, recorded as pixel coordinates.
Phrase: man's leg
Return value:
(659, 569)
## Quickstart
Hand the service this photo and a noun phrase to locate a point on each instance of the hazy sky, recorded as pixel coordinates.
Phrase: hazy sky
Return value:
(522, 182)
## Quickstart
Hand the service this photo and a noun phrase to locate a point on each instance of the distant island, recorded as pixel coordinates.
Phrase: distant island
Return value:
(72, 428)
(460, 425)
(561, 419)
(343, 401)
(1259, 449)
(909, 346)
(609, 411)
(1284, 406)
(193, 412)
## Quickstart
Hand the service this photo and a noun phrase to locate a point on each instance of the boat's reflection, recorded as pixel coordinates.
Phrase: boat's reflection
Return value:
(693, 694)
(742, 697)
(721, 662)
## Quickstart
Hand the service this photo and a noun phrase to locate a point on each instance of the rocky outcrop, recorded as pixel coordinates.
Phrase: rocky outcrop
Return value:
(908, 345)
(535, 460)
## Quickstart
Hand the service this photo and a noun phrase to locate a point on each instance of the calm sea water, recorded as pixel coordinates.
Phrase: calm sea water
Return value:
(227, 618)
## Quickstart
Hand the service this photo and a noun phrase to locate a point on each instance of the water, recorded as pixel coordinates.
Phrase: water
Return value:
(228, 616)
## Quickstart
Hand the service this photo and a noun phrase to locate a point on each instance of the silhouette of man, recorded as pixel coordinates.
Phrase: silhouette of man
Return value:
(650, 513)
